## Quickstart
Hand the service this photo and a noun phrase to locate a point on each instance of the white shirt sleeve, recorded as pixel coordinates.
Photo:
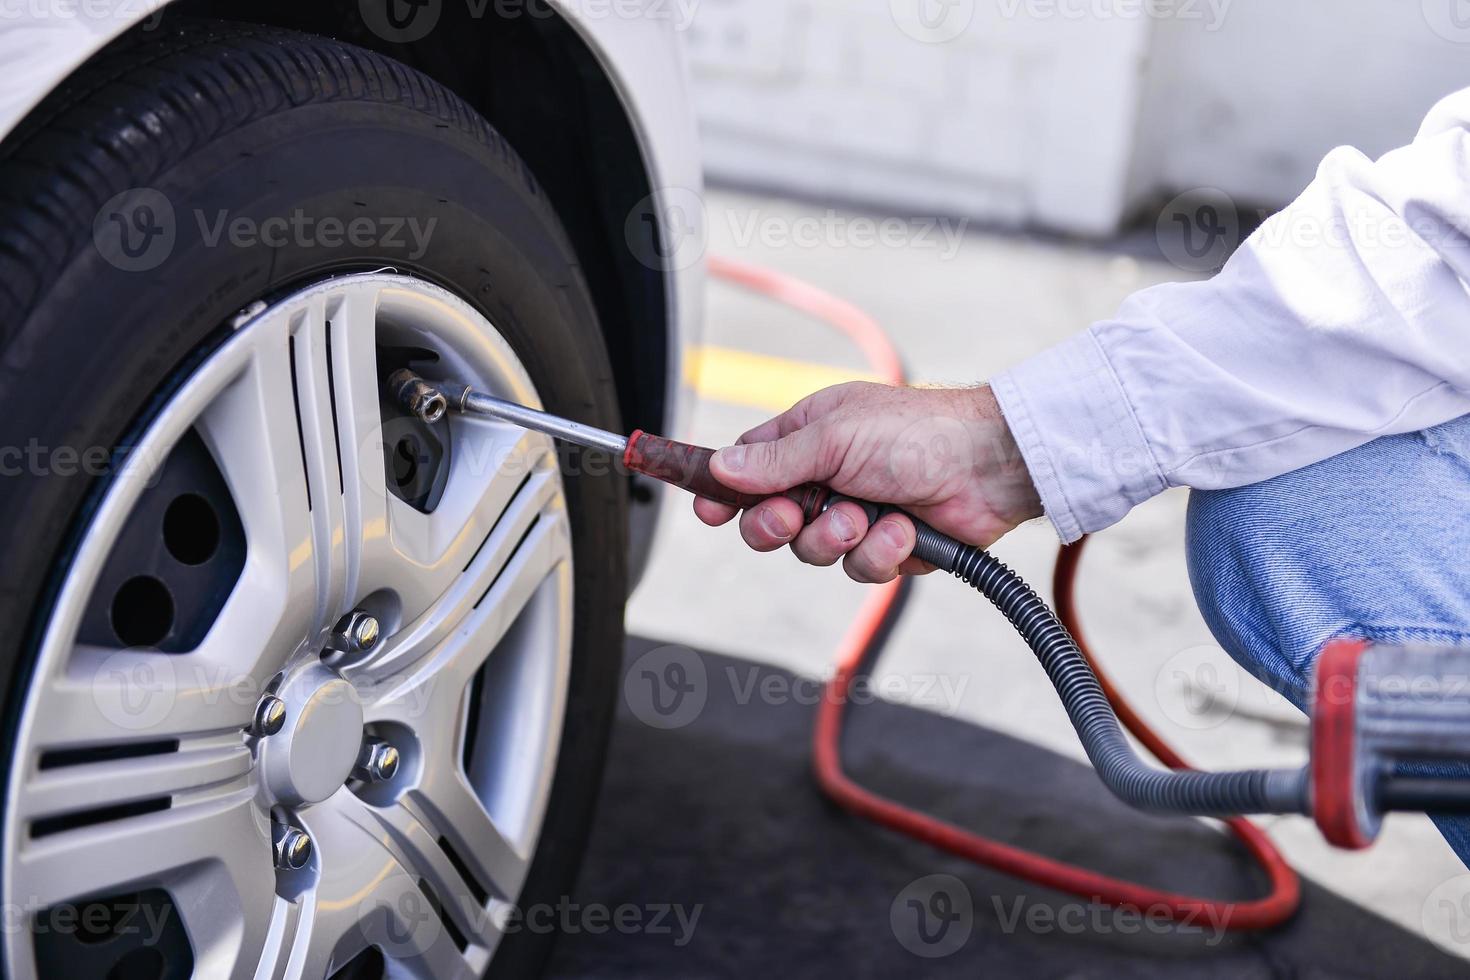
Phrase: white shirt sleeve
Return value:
(1344, 317)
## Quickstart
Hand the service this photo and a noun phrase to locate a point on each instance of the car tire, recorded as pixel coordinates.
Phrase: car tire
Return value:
(120, 270)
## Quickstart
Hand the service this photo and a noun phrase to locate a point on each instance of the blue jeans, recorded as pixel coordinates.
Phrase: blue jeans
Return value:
(1372, 543)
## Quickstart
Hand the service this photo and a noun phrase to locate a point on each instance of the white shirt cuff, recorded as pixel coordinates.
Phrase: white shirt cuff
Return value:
(1078, 435)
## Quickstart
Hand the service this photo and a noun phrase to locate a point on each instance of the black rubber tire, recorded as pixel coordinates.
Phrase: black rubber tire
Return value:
(256, 122)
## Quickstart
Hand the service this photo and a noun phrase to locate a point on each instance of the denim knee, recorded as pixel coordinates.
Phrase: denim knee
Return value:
(1370, 543)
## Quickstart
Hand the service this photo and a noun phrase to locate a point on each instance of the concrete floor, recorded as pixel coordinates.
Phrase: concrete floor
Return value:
(957, 318)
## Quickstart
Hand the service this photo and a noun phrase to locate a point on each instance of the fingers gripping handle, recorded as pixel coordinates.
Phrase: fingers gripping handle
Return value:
(687, 466)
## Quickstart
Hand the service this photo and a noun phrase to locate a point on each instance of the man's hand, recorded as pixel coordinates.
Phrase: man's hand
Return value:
(945, 455)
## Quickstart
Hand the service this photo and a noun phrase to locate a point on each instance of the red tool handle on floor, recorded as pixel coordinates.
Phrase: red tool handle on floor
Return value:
(687, 466)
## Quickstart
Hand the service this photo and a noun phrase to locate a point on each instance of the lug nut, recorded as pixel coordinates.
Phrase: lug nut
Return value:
(292, 847)
(377, 761)
(430, 406)
(270, 715)
(357, 632)
(418, 396)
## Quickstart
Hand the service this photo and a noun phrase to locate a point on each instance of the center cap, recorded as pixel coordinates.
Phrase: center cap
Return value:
(313, 753)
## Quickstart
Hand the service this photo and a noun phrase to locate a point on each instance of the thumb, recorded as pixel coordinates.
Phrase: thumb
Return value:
(769, 467)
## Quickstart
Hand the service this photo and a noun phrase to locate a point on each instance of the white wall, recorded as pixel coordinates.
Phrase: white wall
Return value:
(1253, 107)
(1058, 113)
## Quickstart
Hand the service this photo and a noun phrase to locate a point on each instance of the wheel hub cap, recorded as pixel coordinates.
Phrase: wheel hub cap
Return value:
(311, 756)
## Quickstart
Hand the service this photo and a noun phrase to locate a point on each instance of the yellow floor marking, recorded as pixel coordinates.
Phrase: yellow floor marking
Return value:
(772, 384)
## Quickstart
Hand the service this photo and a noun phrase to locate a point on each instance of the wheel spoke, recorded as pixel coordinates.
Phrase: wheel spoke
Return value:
(447, 804)
(434, 684)
(374, 898)
(442, 960)
(321, 931)
(416, 846)
(399, 919)
(287, 940)
(90, 786)
(528, 506)
(160, 848)
(363, 493)
(114, 698)
(252, 431)
(224, 893)
(488, 469)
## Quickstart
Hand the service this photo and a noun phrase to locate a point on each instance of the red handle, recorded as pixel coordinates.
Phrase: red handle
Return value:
(687, 466)
(1335, 786)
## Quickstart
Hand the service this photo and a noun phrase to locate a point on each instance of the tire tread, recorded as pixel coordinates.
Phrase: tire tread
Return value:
(101, 130)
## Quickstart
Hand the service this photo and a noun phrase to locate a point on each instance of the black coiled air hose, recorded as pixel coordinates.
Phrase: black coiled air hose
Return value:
(1121, 770)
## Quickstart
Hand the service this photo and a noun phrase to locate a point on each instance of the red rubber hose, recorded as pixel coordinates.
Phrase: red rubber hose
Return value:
(819, 304)
(871, 623)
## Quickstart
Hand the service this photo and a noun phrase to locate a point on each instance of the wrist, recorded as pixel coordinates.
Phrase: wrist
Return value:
(999, 461)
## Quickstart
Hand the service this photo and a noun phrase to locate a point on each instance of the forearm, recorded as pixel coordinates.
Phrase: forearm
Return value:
(1345, 317)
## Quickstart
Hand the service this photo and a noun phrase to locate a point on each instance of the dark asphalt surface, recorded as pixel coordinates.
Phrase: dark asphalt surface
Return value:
(715, 856)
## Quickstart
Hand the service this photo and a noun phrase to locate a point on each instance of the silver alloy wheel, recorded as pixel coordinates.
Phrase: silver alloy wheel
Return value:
(478, 592)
